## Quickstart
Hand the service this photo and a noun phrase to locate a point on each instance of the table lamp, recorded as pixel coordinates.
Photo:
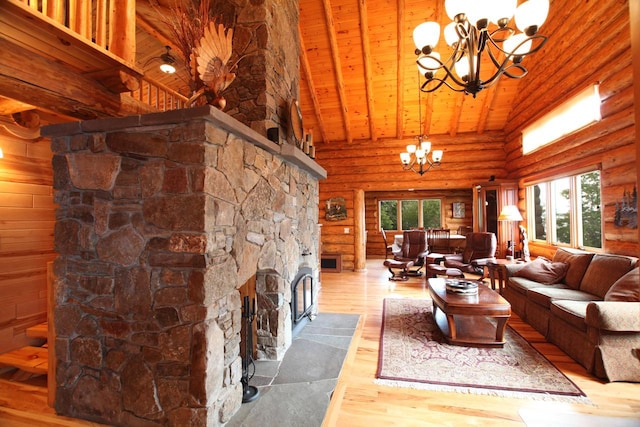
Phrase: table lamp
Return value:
(510, 213)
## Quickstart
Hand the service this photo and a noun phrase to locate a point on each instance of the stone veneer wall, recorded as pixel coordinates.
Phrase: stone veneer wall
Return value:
(162, 217)
(268, 77)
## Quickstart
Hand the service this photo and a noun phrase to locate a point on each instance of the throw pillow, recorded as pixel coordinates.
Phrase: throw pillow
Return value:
(578, 262)
(626, 288)
(543, 271)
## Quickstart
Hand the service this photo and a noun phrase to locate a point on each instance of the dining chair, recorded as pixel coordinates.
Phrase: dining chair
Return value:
(388, 248)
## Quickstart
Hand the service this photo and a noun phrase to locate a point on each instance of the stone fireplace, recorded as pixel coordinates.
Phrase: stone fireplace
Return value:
(161, 219)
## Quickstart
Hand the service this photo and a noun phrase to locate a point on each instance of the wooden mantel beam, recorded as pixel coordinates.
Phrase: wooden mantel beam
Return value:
(31, 79)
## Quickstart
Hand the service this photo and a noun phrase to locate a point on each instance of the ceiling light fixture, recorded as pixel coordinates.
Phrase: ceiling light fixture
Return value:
(167, 61)
(417, 155)
(471, 34)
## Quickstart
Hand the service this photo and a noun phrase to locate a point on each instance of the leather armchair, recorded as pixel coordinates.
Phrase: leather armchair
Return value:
(414, 248)
(479, 249)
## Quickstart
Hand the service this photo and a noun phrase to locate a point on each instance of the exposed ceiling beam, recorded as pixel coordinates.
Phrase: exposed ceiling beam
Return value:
(335, 54)
(10, 106)
(457, 112)
(368, 79)
(49, 85)
(146, 26)
(486, 107)
(306, 69)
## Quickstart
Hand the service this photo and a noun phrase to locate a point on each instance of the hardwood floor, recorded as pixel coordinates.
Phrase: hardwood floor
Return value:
(357, 401)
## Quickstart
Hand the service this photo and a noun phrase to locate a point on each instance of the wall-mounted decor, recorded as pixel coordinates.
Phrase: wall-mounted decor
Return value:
(458, 210)
(336, 209)
(627, 210)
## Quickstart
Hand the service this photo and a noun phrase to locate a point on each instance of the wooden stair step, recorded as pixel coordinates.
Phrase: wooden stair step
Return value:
(38, 331)
(29, 359)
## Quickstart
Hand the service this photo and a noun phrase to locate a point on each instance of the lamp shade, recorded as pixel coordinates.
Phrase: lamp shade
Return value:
(167, 68)
(437, 156)
(501, 10)
(429, 62)
(450, 34)
(518, 45)
(455, 7)
(426, 34)
(531, 13)
(510, 213)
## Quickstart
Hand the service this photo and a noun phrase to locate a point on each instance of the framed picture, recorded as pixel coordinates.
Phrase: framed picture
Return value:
(458, 210)
(336, 209)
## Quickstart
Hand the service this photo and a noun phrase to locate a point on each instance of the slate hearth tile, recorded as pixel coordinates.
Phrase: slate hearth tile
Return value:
(308, 361)
(301, 404)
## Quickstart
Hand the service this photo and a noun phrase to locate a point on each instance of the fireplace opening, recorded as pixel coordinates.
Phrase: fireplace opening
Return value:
(301, 298)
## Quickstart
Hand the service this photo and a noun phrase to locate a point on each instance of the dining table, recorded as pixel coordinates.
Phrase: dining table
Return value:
(456, 242)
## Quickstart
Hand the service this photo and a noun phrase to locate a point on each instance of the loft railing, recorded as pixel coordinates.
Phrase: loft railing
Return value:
(159, 96)
(110, 24)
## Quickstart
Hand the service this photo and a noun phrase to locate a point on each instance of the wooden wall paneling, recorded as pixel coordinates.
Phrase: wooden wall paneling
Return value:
(375, 243)
(542, 88)
(371, 168)
(27, 214)
(51, 336)
(634, 20)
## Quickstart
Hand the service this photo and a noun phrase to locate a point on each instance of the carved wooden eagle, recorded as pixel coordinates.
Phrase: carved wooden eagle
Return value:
(210, 60)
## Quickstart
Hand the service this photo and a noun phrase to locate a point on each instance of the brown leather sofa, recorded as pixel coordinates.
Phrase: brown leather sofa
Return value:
(587, 304)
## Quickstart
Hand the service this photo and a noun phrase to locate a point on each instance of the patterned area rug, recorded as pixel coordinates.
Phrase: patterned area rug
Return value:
(413, 354)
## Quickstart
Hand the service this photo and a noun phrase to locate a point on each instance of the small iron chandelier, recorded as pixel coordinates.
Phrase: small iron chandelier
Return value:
(469, 36)
(417, 155)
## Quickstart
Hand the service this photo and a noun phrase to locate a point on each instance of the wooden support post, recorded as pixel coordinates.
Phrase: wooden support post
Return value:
(122, 31)
(360, 261)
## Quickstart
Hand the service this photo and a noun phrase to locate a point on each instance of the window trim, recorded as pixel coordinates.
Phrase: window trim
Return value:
(420, 210)
(575, 213)
(537, 135)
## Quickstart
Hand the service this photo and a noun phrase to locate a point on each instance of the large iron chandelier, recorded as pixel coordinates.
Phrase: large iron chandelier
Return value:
(417, 155)
(479, 27)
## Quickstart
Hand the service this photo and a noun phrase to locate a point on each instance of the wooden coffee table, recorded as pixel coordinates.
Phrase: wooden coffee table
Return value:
(467, 319)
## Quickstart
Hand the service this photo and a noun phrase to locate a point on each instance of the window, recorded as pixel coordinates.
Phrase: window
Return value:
(422, 213)
(566, 210)
(578, 112)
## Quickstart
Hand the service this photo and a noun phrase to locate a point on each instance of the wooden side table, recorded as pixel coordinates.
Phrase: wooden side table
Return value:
(498, 265)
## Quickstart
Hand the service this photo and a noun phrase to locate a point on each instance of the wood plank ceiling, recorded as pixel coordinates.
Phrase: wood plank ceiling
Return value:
(358, 76)
(359, 79)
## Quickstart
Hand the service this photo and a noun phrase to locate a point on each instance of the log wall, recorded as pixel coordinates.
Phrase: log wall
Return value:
(609, 143)
(553, 77)
(375, 168)
(27, 216)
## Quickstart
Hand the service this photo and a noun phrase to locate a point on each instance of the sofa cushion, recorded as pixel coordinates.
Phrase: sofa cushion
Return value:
(543, 271)
(544, 295)
(522, 285)
(603, 271)
(578, 262)
(572, 312)
(626, 288)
